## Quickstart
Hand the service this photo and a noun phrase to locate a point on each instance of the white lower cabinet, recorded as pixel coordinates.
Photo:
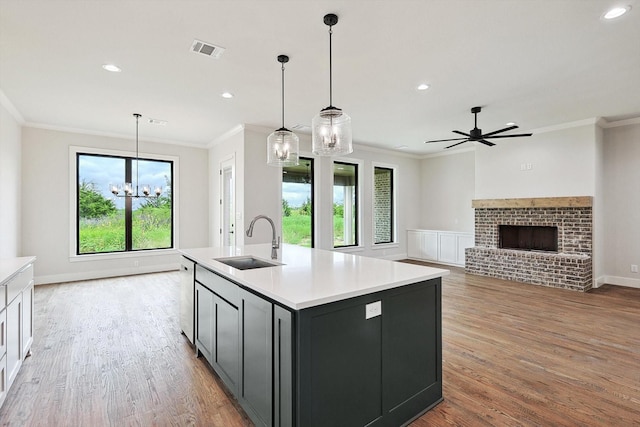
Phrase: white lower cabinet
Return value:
(422, 245)
(16, 321)
(445, 247)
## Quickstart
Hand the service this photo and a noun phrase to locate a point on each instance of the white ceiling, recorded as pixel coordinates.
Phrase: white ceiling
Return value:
(537, 63)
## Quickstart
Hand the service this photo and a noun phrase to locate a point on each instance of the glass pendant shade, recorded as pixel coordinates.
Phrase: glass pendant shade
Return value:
(331, 133)
(282, 148)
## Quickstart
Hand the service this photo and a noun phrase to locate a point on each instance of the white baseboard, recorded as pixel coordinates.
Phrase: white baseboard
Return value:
(620, 281)
(103, 274)
(599, 281)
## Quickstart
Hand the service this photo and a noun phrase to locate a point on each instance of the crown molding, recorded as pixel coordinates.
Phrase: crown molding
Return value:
(8, 105)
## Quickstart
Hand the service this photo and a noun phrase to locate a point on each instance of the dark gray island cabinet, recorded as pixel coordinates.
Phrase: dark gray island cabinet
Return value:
(366, 360)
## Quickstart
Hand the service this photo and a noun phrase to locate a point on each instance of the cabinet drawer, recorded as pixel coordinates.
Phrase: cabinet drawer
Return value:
(220, 286)
(19, 282)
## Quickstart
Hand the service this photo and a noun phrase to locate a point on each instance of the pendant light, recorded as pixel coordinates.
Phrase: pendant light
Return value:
(282, 144)
(331, 128)
(127, 187)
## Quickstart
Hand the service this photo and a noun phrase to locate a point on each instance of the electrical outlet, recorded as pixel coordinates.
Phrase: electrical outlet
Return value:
(523, 166)
(373, 310)
(634, 268)
(136, 263)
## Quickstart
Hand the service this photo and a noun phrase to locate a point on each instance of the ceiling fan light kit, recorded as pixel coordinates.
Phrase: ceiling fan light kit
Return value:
(331, 127)
(476, 134)
(282, 145)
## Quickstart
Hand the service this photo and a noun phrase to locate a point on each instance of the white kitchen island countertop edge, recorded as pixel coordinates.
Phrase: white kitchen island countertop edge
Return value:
(311, 277)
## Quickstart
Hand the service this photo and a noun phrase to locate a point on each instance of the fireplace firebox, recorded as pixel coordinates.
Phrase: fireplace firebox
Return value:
(529, 237)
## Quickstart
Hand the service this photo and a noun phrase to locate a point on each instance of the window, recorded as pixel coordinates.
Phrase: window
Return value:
(106, 223)
(345, 204)
(383, 205)
(297, 203)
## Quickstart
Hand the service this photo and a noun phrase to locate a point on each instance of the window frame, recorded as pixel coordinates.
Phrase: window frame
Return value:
(358, 205)
(312, 172)
(74, 152)
(394, 219)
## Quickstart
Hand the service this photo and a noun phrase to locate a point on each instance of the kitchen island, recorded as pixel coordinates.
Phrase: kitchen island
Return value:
(321, 337)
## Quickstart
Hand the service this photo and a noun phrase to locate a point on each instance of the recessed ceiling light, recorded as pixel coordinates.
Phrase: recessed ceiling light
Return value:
(510, 124)
(423, 86)
(227, 95)
(158, 122)
(616, 12)
(112, 68)
(401, 147)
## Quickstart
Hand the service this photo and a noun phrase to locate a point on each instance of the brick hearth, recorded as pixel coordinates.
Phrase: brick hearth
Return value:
(570, 267)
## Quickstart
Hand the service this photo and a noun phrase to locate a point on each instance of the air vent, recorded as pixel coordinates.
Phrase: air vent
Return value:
(207, 49)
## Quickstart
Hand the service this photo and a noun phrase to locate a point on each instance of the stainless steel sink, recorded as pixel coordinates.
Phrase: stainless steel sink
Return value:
(246, 262)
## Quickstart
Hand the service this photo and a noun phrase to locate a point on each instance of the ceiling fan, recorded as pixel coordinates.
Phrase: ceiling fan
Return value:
(476, 134)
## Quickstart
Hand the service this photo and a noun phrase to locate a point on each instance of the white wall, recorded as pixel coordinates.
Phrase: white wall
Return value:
(562, 165)
(46, 206)
(262, 188)
(10, 177)
(447, 185)
(622, 204)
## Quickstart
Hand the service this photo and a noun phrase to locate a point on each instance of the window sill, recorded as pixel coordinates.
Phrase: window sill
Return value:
(385, 246)
(349, 249)
(122, 255)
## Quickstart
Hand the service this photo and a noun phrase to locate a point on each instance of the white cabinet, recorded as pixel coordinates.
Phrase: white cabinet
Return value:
(16, 318)
(422, 245)
(446, 247)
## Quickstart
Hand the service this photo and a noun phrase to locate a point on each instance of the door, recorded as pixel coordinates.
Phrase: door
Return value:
(227, 202)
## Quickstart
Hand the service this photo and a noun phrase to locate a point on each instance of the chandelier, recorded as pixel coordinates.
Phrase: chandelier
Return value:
(127, 188)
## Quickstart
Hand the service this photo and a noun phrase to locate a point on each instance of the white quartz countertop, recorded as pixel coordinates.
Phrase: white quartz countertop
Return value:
(10, 266)
(311, 277)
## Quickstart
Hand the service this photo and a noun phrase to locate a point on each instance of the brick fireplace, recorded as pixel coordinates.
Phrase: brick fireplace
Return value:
(569, 267)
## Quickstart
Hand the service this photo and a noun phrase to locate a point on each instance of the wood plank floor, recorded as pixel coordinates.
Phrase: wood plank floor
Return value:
(109, 352)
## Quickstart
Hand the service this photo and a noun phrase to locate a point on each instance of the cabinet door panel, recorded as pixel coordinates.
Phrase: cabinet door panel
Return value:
(282, 368)
(27, 320)
(226, 360)
(256, 390)
(204, 321)
(448, 248)
(14, 337)
(429, 245)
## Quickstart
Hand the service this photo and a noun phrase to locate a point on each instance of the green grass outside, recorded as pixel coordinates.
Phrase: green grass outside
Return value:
(151, 229)
(296, 229)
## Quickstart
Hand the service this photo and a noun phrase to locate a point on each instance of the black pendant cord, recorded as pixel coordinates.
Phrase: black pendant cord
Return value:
(137, 158)
(330, 70)
(283, 95)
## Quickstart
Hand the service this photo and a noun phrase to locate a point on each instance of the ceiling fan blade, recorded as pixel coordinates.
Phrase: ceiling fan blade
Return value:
(508, 136)
(462, 133)
(498, 131)
(485, 142)
(443, 140)
(462, 142)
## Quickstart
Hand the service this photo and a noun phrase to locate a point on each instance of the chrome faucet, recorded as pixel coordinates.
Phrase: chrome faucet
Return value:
(275, 243)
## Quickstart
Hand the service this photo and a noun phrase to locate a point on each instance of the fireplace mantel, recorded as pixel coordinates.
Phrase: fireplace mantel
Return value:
(535, 202)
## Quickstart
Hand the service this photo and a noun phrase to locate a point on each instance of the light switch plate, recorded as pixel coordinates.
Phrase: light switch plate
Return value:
(373, 309)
